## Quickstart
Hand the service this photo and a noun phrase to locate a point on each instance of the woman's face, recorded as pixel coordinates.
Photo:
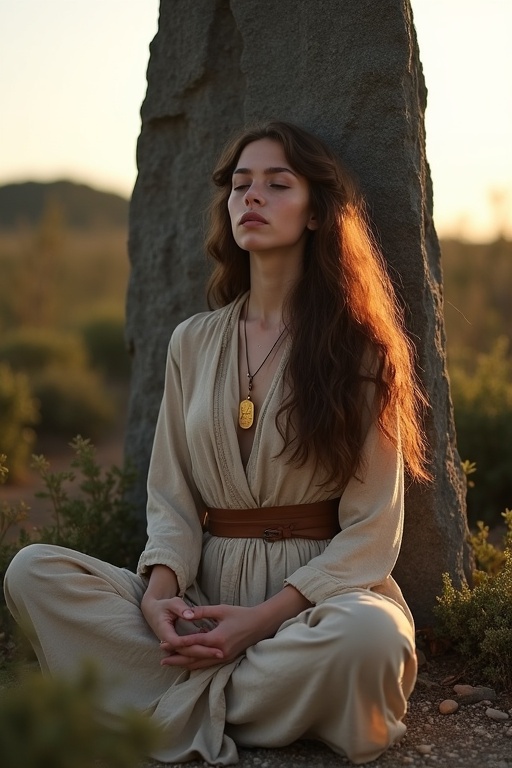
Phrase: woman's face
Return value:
(269, 204)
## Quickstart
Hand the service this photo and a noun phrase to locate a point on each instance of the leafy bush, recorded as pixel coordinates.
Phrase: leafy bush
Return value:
(482, 397)
(34, 349)
(73, 401)
(11, 517)
(104, 339)
(478, 621)
(18, 414)
(72, 397)
(48, 722)
(90, 513)
(488, 557)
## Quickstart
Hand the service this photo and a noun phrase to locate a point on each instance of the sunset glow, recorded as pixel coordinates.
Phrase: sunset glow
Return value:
(72, 78)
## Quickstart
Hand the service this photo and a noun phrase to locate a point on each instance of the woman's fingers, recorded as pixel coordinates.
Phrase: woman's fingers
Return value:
(191, 664)
(215, 612)
(175, 656)
(192, 645)
(161, 614)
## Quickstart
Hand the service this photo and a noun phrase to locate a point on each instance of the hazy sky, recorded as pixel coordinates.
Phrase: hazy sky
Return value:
(72, 78)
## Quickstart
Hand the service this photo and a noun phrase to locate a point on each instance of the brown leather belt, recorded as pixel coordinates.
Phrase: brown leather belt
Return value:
(303, 521)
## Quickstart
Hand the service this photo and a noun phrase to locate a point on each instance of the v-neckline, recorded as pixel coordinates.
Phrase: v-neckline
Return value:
(260, 414)
(227, 418)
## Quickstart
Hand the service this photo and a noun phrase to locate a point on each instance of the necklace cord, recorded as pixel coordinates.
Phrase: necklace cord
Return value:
(246, 407)
(250, 375)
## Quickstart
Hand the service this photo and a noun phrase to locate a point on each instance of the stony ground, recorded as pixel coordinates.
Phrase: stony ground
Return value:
(469, 738)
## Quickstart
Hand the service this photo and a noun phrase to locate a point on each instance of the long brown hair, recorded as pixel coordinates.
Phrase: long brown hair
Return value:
(343, 317)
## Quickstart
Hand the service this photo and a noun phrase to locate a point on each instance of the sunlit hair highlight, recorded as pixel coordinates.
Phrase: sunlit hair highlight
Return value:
(346, 326)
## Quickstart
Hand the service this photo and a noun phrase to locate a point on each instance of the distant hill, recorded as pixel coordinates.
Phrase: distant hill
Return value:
(81, 206)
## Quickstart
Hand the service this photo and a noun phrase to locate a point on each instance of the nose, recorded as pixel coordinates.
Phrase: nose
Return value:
(253, 195)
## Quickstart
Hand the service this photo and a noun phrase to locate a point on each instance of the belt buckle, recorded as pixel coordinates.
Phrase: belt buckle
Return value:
(272, 534)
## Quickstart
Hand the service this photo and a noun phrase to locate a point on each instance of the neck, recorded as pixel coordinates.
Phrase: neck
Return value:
(272, 280)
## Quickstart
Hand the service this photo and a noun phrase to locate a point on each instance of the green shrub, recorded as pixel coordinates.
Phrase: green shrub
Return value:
(104, 339)
(488, 557)
(12, 516)
(52, 723)
(478, 621)
(72, 401)
(89, 507)
(72, 397)
(34, 349)
(482, 397)
(89, 513)
(19, 412)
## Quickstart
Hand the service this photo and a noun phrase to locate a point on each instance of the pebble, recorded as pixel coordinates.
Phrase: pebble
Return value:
(448, 707)
(478, 694)
(496, 714)
(424, 749)
(508, 732)
(463, 690)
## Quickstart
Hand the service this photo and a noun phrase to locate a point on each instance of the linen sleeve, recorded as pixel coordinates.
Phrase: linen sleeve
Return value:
(371, 514)
(174, 504)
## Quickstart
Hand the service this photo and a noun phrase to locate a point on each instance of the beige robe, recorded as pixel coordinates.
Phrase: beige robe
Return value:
(339, 672)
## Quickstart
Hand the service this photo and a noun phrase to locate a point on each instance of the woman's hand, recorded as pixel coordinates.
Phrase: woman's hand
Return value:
(237, 628)
(162, 609)
(162, 613)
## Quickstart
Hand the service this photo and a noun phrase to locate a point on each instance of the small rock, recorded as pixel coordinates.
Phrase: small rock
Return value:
(508, 732)
(448, 707)
(496, 714)
(424, 749)
(479, 731)
(422, 659)
(407, 760)
(478, 694)
(463, 690)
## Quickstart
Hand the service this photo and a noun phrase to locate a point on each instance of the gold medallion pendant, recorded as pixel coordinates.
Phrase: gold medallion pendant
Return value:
(246, 414)
(246, 408)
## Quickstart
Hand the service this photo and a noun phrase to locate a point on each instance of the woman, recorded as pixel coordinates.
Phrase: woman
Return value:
(287, 415)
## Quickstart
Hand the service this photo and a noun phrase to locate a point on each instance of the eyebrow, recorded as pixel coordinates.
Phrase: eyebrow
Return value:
(267, 171)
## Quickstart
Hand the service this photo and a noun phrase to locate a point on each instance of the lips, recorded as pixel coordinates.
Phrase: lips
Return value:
(251, 216)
